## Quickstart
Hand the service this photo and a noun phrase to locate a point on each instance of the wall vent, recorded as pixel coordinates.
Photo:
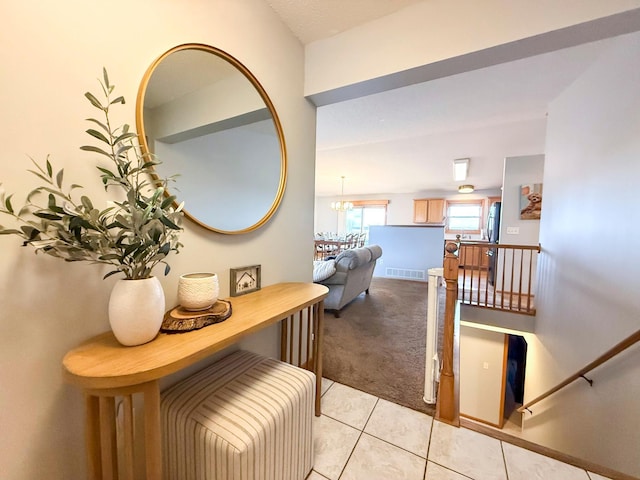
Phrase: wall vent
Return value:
(405, 273)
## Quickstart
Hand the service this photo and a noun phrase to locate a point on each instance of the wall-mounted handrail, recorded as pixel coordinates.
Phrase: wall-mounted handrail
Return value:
(609, 354)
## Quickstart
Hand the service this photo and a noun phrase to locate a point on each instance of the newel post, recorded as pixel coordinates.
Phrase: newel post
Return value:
(448, 402)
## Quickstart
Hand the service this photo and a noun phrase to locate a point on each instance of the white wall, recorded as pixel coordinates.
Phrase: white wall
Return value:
(447, 38)
(522, 170)
(588, 290)
(52, 53)
(482, 374)
(519, 171)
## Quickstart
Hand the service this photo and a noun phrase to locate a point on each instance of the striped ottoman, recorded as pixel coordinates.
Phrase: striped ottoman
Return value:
(246, 417)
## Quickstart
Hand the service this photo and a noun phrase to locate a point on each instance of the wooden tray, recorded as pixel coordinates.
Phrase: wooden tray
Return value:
(180, 320)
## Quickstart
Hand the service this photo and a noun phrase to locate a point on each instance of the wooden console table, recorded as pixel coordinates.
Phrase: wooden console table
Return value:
(105, 370)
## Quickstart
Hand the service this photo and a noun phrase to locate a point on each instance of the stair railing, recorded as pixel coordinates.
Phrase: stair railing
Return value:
(498, 276)
(448, 402)
(609, 354)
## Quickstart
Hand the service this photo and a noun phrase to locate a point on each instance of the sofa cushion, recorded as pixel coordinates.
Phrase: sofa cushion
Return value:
(323, 269)
(355, 257)
(338, 278)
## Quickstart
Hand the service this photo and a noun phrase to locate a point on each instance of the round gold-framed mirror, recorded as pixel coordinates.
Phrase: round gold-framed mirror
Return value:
(206, 118)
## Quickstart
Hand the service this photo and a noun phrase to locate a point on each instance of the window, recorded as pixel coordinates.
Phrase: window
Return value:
(366, 213)
(464, 216)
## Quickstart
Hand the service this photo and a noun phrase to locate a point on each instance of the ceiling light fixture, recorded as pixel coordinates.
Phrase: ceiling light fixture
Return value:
(460, 169)
(342, 206)
(465, 189)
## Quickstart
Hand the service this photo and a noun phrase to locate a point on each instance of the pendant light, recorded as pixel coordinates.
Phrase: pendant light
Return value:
(342, 206)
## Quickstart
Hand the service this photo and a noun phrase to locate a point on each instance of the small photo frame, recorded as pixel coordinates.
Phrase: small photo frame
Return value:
(244, 280)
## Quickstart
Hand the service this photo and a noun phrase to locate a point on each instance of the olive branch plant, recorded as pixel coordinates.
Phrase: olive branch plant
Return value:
(132, 235)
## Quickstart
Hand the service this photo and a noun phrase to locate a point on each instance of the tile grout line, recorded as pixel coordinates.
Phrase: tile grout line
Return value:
(504, 460)
(449, 469)
(328, 388)
(433, 421)
(359, 437)
(424, 476)
(394, 445)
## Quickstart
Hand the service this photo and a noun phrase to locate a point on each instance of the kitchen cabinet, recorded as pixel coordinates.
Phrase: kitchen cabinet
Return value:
(428, 210)
(474, 256)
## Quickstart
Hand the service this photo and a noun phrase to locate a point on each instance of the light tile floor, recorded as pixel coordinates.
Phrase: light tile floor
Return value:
(362, 437)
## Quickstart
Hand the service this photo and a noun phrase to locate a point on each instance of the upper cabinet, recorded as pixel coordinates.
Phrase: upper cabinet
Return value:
(428, 210)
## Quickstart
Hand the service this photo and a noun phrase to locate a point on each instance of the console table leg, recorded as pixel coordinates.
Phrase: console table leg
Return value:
(318, 354)
(108, 440)
(152, 431)
(92, 437)
(128, 440)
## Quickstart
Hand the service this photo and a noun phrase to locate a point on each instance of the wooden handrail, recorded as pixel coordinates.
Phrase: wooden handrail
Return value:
(537, 248)
(620, 347)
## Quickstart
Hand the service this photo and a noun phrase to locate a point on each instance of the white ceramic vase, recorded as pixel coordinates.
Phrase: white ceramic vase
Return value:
(136, 310)
(198, 291)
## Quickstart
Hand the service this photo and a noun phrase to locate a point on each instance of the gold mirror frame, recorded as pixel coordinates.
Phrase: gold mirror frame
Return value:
(140, 126)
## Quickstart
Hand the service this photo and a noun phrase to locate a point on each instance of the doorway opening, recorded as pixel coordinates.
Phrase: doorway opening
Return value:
(514, 382)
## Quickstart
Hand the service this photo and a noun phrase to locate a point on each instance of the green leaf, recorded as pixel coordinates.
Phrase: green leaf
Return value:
(9, 232)
(91, 148)
(30, 232)
(99, 123)
(109, 256)
(165, 249)
(105, 77)
(107, 172)
(49, 168)
(113, 272)
(99, 135)
(7, 204)
(118, 100)
(167, 269)
(94, 101)
(59, 178)
(167, 201)
(86, 202)
(169, 223)
(123, 137)
(122, 149)
(47, 216)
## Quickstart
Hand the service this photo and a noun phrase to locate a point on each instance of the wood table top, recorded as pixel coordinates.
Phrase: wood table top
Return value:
(101, 362)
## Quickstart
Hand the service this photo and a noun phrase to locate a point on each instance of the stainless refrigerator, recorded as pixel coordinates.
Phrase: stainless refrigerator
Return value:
(493, 233)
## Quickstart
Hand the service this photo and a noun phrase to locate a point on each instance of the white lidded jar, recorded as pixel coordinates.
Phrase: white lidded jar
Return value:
(198, 291)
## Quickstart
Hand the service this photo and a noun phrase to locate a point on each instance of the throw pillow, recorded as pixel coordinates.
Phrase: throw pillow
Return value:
(323, 269)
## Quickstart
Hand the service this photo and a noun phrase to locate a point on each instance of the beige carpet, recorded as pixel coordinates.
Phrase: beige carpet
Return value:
(378, 343)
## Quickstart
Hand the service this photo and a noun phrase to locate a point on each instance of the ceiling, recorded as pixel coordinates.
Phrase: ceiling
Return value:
(405, 140)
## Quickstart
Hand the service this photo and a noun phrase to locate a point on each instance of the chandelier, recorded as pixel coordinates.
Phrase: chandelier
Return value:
(342, 206)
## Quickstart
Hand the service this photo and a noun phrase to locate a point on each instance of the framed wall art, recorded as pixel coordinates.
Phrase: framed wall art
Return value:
(244, 280)
(530, 201)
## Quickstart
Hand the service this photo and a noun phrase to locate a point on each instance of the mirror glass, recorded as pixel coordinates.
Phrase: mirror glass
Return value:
(208, 120)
